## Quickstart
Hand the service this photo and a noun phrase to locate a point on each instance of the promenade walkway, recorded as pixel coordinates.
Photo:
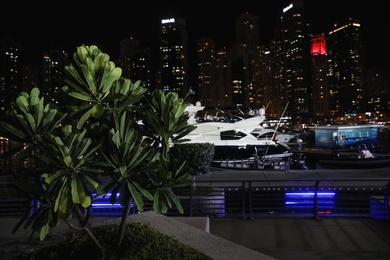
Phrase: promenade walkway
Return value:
(307, 238)
(290, 238)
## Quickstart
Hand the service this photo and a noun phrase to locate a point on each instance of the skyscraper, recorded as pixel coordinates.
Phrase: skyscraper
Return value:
(296, 60)
(247, 41)
(346, 69)
(10, 73)
(223, 77)
(174, 56)
(277, 98)
(320, 97)
(53, 64)
(135, 61)
(206, 90)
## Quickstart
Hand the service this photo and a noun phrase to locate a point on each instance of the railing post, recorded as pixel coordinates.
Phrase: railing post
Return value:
(191, 200)
(243, 201)
(316, 216)
(250, 200)
(386, 210)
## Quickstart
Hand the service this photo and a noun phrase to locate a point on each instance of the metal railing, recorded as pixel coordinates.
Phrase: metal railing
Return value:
(249, 199)
(349, 197)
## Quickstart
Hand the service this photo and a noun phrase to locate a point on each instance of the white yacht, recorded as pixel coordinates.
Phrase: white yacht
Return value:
(243, 141)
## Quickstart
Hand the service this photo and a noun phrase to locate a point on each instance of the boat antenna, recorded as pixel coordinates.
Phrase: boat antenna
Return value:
(239, 110)
(267, 105)
(276, 128)
(280, 119)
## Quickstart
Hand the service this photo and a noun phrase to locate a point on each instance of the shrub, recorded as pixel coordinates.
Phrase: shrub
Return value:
(140, 242)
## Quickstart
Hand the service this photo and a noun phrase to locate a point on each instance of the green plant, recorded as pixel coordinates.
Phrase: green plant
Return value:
(146, 243)
(98, 145)
(198, 155)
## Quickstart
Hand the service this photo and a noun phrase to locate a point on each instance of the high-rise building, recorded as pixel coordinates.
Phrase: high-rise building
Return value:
(247, 53)
(135, 61)
(53, 64)
(10, 73)
(278, 96)
(346, 69)
(11, 84)
(239, 71)
(30, 78)
(174, 56)
(206, 90)
(296, 60)
(378, 95)
(126, 55)
(319, 61)
(264, 92)
(223, 77)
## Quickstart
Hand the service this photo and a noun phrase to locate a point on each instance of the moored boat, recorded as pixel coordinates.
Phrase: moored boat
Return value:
(242, 141)
(358, 159)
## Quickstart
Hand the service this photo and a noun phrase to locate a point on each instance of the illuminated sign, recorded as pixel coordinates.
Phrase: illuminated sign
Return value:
(287, 8)
(170, 20)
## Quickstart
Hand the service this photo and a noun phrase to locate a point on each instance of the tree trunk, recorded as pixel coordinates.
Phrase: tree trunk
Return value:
(122, 226)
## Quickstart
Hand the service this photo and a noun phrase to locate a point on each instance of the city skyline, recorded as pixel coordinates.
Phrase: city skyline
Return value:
(72, 26)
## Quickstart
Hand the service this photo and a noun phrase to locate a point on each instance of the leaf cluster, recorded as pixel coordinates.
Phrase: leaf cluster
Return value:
(113, 138)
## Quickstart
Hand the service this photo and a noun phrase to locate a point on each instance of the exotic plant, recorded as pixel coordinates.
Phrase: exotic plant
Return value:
(112, 139)
(198, 155)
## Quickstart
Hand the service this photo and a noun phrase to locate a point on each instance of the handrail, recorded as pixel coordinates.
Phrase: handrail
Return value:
(313, 184)
(251, 197)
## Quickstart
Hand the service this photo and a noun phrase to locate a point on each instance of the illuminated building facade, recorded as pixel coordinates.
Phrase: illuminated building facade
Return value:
(127, 49)
(247, 53)
(206, 90)
(346, 69)
(53, 64)
(10, 73)
(223, 77)
(239, 69)
(135, 61)
(14, 78)
(174, 56)
(278, 97)
(296, 58)
(264, 92)
(320, 97)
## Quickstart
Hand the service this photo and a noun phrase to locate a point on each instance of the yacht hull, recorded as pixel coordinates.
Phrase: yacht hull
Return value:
(247, 151)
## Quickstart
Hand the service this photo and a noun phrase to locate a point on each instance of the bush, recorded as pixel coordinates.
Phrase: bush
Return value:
(140, 242)
(198, 155)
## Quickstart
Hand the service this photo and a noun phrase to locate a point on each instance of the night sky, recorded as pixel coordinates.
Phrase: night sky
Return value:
(70, 25)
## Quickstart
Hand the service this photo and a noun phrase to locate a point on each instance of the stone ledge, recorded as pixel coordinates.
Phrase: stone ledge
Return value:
(191, 231)
(195, 233)
(203, 223)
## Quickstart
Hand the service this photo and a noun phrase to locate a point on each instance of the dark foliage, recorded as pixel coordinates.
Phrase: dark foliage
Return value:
(198, 155)
(140, 242)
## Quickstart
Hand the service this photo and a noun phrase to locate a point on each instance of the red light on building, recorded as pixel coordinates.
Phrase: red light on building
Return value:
(318, 45)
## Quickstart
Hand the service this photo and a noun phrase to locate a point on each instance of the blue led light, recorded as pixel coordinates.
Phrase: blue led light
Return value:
(305, 200)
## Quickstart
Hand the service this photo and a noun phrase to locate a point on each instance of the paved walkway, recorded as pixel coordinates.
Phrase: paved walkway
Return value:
(305, 238)
(284, 238)
(288, 238)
